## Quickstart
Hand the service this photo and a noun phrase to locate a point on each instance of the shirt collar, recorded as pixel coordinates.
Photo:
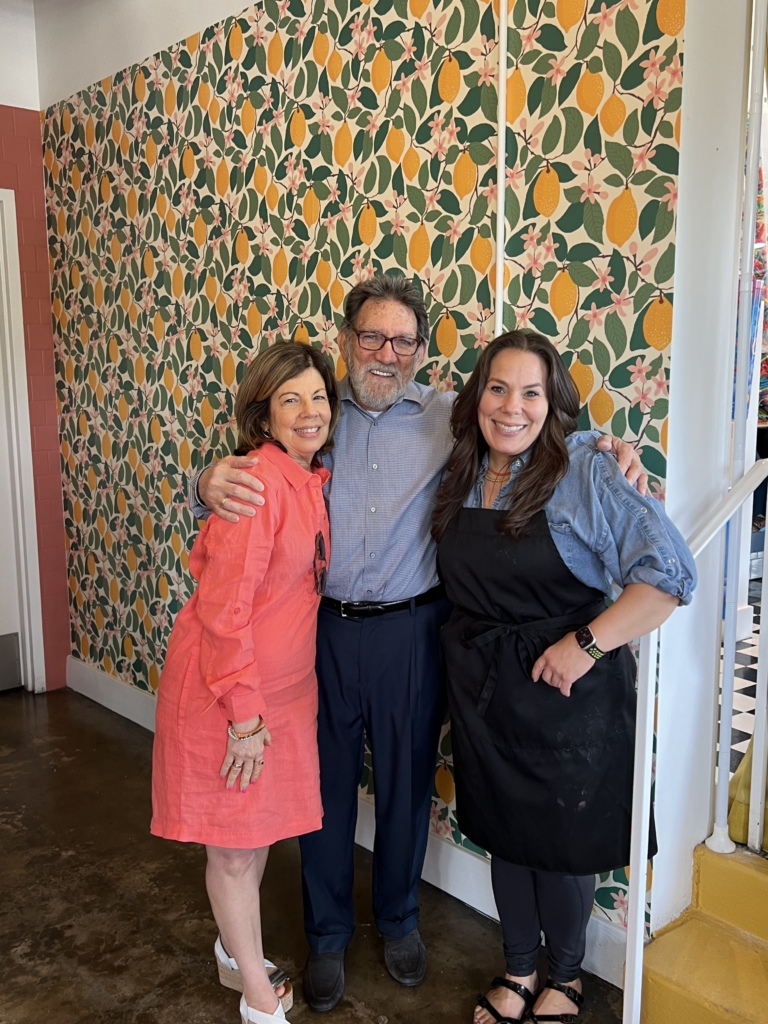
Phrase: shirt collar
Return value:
(411, 394)
(295, 474)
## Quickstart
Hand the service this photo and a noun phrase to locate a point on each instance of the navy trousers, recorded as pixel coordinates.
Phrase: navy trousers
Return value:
(381, 677)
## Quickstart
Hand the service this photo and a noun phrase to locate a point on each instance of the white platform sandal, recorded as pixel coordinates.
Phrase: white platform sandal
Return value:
(230, 977)
(250, 1016)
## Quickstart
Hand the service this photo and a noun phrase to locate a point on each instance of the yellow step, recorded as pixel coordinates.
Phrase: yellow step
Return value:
(702, 970)
(733, 888)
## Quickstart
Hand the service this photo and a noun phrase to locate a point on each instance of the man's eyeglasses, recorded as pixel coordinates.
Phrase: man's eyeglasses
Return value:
(320, 564)
(374, 341)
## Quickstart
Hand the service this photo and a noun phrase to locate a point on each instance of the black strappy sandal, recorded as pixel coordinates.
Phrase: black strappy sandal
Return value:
(525, 994)
(563, 1018)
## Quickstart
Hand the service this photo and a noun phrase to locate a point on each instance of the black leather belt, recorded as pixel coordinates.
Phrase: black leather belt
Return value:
(365, 609)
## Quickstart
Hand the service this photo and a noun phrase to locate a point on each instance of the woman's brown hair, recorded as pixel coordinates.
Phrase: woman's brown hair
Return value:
(548, 462)
(269, 371)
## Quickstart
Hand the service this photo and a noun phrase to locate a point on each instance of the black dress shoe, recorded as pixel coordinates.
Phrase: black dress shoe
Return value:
(406, 958)
(323, 980)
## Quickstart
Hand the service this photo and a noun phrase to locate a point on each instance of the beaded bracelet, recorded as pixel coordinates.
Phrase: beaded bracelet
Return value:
(245, 735)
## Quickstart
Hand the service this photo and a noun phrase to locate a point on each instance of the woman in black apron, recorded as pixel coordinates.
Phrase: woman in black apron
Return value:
(543, 783)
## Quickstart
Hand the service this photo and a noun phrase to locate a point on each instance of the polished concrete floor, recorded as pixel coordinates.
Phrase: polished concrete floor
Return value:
(101, 923)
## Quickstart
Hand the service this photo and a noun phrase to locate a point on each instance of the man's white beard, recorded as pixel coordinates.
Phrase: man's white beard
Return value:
(377, 393)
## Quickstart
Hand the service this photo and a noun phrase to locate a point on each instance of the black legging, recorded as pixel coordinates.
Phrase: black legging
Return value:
(530, 902)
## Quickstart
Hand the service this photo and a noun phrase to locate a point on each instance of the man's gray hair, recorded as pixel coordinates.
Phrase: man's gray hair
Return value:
(397, 289)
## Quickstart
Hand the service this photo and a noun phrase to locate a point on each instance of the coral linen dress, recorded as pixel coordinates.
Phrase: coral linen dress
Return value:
(244, 645)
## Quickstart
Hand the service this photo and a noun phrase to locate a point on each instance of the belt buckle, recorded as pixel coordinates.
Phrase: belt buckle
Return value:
(342, 612)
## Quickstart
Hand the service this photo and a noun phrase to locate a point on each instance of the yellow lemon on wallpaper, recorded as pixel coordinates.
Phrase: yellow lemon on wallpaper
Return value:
(367, 224)
(464, 175)
(298, 127)
(206, 412)
(132, 202)
(222, 177)
(444, 783)
(75, 276)
(155, 431)
(280, 267)
(677, 127)
(211, 286)
(98, 293)
(546, 192)
(228, 370)
(169, 99)
(395, 144)
(90, 132)
(381, 70)
(563, 295)
(140, 86)
(418, 250)
(260, 178)
(168, 379)
(335, 65)
(664, 435)
(117, 130)
(342, 144)
(150, 151)
(184, 461)
(242, 247)
(589, 92)
(106, 188)
(601, 407)
(657, 323)
(76, 178)
(301, 334)
(214, 110)
(92, 488)
(336, 293)
(158, 326)
(188, 162)
(123, 409)
(61, 222)
(192, 42)
(106, 446)
(670, 16)
(341, 368)
(449, 79)
(247, 117)
(253, 319)
(516, 95)
(177, 282)
(621, 220)
(162, 583)
(320, 48)
(235, 41)
(115, 252)
(418, 8)
(411, 163)
(446, 335)
(569, 13)
(139, 370)
(310, 208)
(272, 195)
(583, 378)
(323, 273)
(161, 203)
(200, 231)
(147, 527)
(480, 254)
(275, 53)
(613, 114)
(492, 278)
(203, 95)
(149, 263)
(114, 590)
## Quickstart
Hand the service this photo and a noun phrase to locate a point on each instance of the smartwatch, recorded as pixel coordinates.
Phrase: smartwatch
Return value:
(587, 642)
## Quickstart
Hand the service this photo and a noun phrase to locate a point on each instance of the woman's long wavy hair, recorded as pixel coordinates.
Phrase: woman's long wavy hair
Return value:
(269, 371)
(548, 462)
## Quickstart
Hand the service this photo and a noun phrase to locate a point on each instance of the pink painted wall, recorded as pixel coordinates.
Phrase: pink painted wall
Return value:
(21, 169)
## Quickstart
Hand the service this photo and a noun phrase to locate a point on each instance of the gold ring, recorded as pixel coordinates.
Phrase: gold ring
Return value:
(224, 502)
(236, 765)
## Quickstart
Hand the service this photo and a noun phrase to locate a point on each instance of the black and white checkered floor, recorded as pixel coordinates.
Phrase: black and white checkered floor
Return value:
(745, 683)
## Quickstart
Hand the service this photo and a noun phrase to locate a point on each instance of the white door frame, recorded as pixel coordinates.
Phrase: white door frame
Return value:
(13, 381)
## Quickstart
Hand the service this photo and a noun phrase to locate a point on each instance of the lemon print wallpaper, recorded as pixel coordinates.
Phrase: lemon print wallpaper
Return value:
(230, 190)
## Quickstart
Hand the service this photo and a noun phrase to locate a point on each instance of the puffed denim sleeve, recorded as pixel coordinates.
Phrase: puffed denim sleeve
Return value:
(196, 507)
(595, 514)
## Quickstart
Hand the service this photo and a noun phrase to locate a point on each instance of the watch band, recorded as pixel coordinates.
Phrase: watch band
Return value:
(586, 641)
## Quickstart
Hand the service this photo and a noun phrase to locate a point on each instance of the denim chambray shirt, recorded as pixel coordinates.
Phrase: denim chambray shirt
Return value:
(603, 529)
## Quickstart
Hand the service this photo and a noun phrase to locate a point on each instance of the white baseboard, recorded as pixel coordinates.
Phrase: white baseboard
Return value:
(129, 701)
(467, 876)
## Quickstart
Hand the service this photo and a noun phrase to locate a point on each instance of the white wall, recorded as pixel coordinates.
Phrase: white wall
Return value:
(709, 215)
(18, 56)
(82, 41)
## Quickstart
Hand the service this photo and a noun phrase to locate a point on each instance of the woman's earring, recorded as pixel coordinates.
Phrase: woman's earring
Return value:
(266, 432)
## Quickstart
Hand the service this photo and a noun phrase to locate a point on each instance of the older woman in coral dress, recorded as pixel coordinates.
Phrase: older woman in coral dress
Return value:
(235, 757)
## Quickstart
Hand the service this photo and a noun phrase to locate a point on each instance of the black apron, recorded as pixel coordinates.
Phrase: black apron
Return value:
(542, 780)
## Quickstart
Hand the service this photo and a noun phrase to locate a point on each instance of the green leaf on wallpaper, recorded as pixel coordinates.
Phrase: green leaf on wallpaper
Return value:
(614, 180)
(612, 60)
(450, 287)
(648, 215)
(634, 73)
(548, 272)
(579, 334)
(512, 208)
(666, 158)
(666, 130)
(602, 357)
(627, 30)
(409, 119)
(642, 296)
(514, 44)
(342, 233)
(543, 64)
(631, 128)
(573, 218)
(548, 97)
(394, 49)
(479, 210)
(674, 101)
(519, 13)
(593, 140)
(452, 28)
(514, 290)
(551, 38)
(417, 199)
(480, 154)
(569, 82)
(589, 40)
(593, 220)
(665, 221)
(573, 194)
(581, 274)
(544, 322)
(620, 158)
(471, 102)
(419, 96)
(660, 409)
(654, 461)
(467, 284)
(400, 251)
(370, 179)
(665, 267)
(616, 334)
(619, 423)
(471, 18)
(574, 126)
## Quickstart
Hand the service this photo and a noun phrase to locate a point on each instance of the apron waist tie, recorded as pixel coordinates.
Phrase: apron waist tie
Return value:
(525, 635)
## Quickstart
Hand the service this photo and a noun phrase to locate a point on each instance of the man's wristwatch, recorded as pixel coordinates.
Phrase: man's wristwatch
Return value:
(587, 642)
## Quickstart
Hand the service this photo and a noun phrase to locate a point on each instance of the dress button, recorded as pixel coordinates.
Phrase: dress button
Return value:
(373, 554)
(375, 466)
(373, 508)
